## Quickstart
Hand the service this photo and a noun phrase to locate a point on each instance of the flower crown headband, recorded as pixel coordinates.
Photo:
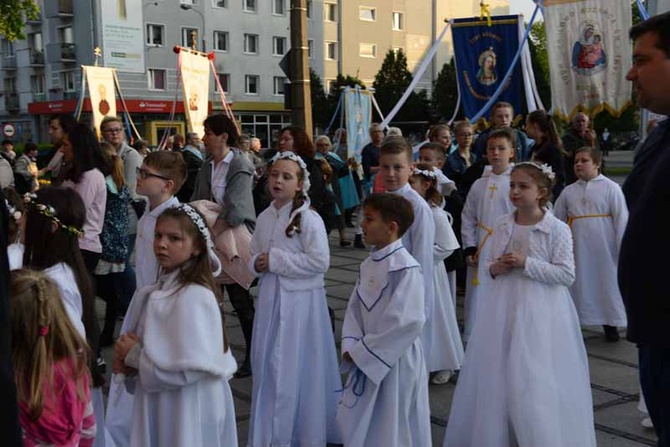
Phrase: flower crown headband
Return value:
(199, 222)
(428, 174)
(16, 214)
(545, 168)
(291, 156)
(49, 212)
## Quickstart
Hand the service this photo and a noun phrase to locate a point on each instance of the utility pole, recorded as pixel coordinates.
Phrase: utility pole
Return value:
(301, 114)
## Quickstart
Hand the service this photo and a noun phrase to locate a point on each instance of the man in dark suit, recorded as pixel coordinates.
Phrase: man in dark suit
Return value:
(643, 265)
(9, 421)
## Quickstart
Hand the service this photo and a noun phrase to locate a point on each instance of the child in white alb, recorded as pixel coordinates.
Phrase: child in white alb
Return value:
(385, 399)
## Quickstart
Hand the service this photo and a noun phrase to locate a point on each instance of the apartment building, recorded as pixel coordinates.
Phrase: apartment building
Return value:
(42, 76)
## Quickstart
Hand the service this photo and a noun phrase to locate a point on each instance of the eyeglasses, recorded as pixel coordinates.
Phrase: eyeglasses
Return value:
(118, 130)
(144, 174)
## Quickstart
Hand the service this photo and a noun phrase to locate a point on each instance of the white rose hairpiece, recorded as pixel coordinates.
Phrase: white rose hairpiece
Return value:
(428, 174)
(49, 212)
(545, 168)
(204, 230)
(16, 214)
(291, 156)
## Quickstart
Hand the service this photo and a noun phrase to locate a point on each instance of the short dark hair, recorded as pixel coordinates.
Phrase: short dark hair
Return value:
(397, 145)
(7, 142)
(220, 124)
(660, 26)
(65, 121)
(593, 152)
(392, 208)
(439, 149)
(30, 147)
(506, 133)
(502, 105)
(170, 164)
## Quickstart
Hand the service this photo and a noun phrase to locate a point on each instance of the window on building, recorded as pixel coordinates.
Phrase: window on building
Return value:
(310, 48)
(397, 50)
(309, 9)
(68, 81)
(155, 34)
(10, 86)
(367, 50)
(220, 3)
(157, 79)
(278, 7)
(330, 12)
(35, 41)
(65, 35)
(189, 37)
(398, 21)
(187, 2)
(249, 5)
(220, 41)
(330, 86)
(7, 48)
(278, 46)
(251, 84)
(279, 82)
(224, 79)
(251, 43)
(37, 84)
(331, 50)
(367, 13)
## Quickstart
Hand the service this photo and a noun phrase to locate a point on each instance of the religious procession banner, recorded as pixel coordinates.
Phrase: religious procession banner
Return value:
(194, 69)
(358, 110)
(101, 92)
(483, 53)
(589, 55)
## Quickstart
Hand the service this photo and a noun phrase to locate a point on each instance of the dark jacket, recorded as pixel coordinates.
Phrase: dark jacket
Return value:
(193, 164)
(571, 142)
(643, 268)
(551, 155)
(522, 145)
(238, 202)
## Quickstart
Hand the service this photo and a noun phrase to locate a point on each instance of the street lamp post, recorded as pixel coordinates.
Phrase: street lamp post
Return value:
(190, 8)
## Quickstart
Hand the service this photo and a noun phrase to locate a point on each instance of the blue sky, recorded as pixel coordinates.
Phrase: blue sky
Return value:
(525, 7)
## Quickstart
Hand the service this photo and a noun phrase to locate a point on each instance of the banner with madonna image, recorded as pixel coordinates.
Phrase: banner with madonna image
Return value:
(358, 112)
(483, 54)
(102, 93)
(194, 68)
(589, 55)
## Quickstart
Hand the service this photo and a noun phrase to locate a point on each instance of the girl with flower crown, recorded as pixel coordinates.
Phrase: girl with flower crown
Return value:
(49, 356)
(525, 377)
(174, 356)
(293, 356)
(446, 350)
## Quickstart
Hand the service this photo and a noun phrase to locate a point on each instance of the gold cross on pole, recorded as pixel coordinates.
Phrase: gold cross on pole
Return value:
(493, 189)
(96, 55)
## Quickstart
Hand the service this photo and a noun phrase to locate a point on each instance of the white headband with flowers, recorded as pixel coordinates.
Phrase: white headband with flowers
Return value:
(204, 230)
(49, 212)
(427, 174)
(545, 168)
(16, 214)
(291, 156)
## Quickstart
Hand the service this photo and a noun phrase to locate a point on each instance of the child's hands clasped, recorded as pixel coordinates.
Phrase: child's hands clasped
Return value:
(262, 263)
(121, 349)
(507, 262)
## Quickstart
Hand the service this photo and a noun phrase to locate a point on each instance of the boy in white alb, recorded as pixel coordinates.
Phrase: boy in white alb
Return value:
(396, 167)
(487, 200)
(385, 399)
(159, 179)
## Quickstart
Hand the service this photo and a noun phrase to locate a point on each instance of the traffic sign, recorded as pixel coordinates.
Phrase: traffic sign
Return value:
(8, 130)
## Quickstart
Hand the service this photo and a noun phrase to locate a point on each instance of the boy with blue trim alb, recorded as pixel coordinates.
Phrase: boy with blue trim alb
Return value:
(385, 398)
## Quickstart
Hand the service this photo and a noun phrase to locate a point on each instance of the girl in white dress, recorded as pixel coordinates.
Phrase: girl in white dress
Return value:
(595, 209)
(487, 200)
(174, 357)
(525, 378)
(294, 399)
(447, 348)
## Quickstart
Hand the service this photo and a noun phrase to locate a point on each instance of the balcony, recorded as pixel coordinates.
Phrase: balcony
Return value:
(61, 52)
(39, 97)
(36, 21)
(11, 101)
(58, 8)
(9, 62)
(36, 57)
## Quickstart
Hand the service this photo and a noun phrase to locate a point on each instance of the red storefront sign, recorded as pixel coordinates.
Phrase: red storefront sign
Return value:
(134, 106)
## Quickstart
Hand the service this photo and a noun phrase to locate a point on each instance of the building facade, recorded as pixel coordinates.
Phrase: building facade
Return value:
(42, 74)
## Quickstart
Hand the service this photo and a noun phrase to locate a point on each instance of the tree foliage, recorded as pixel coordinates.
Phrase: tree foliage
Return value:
(539, 57)
(320, 105)
(334, 95)
(391, 82)
(13, 15)
(445, 92)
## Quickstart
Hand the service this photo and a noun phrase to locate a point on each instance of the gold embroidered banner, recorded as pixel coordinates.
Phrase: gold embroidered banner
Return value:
(102, 93)
(589, 55)
(195, 88)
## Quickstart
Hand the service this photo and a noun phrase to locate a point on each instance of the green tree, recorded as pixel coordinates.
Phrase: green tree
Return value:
(320, 104)
(445, 92)
(13, 16)
(391, 82)
(539, 57)
(336, 89)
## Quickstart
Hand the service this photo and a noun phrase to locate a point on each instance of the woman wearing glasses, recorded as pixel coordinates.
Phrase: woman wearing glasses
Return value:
(461, 159)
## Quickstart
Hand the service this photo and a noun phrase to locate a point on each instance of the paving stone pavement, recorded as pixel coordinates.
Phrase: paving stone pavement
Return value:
(613, 366)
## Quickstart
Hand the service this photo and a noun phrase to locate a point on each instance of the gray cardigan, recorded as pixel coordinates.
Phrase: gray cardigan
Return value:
(238, 201)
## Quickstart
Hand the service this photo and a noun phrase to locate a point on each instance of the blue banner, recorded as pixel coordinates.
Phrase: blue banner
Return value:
(358, 109)
(483, 55)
